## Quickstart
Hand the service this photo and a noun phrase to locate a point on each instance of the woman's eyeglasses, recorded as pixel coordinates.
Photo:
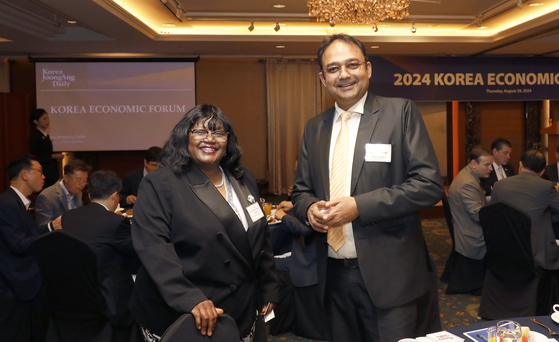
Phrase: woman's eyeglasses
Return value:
(202, 134)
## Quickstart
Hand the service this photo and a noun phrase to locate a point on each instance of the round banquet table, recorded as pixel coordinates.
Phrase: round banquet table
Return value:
(524, 321)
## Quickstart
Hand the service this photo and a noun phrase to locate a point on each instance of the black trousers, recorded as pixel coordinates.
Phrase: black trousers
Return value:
(352, 314)
(24, 321)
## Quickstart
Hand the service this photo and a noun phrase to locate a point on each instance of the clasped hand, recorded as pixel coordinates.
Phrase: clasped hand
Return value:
(334, 213)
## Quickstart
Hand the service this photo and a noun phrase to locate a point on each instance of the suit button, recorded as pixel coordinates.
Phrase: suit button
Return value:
(219, 236)
(227, 262)
(232, 288)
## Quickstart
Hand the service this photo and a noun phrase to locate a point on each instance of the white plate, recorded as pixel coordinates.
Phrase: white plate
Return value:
(275, 223)
(555, 317)
(538, 337)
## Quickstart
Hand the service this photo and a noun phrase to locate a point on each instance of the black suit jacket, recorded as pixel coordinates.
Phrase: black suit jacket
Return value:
(20, 277)
(109, 236)
(551, 173)
(41, 146)
(130, 186)
(487, 183)
(391, 249)
(193, 247)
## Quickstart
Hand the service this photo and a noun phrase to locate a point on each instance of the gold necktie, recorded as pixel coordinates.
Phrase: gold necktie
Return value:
(336, 235)
(502, 172)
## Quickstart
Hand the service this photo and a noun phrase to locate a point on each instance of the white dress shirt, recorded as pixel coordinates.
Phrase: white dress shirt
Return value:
(347, 251)
(499, 171)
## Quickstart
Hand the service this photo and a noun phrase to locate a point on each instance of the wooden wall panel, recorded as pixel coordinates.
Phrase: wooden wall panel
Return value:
(14, 129)
(504, 120)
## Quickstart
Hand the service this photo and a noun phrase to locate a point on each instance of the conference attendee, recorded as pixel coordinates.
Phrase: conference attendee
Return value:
(466, 197)
(64, 195)
(366, 169)
(40, 145)
(109, 236)
(539, 199)
(299, 299)
(200, 233)
(501, 168)
(131, 183)
(551, 171)
(24, 314)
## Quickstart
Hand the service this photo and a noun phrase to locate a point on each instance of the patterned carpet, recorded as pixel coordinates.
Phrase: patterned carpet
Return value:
(455, 310)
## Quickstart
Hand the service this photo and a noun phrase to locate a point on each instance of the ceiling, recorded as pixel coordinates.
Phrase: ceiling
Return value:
(219, 28)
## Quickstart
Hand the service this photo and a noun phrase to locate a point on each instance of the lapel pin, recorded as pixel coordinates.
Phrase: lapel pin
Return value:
(250, 199)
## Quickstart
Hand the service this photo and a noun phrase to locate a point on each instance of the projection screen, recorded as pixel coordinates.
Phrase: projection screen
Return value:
(104, 106)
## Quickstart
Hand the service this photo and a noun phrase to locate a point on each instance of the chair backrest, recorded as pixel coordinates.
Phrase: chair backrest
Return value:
(506, 230)
(184, 329)
(69, 269)
(448, 216)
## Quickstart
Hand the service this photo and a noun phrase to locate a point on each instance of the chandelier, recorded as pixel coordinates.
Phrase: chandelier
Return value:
(357, 11)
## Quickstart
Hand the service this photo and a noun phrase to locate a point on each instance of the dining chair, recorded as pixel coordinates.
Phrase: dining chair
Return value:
(511, 280)
(78, 309)
(184, 329)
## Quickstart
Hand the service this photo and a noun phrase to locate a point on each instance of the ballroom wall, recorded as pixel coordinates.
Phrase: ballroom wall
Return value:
(238, 87)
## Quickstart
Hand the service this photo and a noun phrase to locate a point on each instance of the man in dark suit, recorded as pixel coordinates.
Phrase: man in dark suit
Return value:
(551, 171)
(109, 235)
(299, 300)
(64, 195)
(131, 183)
(23, 316)
(539, 199)
(502, 149)
(375, 241)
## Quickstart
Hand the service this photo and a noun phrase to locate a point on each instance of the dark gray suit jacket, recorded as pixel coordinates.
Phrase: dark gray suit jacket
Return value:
(487, 183)
(551, 173)
(539, 199)
(193, 247)
(391, 249)
(52, 203)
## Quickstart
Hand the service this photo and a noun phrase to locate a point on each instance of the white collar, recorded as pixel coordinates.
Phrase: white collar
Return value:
(358, 107)
(24, 199)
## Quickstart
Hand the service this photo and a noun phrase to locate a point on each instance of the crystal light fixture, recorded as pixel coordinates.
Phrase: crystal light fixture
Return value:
(357, 11)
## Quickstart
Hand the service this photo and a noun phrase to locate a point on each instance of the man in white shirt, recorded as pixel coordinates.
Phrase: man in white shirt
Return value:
(22, 297)
(502, 150)
(372, 261)
(64, 195)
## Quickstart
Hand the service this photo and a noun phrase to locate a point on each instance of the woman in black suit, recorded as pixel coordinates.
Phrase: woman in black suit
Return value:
(41, 146)
(200, 234)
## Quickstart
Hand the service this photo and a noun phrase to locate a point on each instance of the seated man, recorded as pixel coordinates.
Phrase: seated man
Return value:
(64, 195)
(299, 300)
(539, 199)
(109, 236)
(466, 197)
(551, 171)
(131, 183)
(23, 316)
(501, 149)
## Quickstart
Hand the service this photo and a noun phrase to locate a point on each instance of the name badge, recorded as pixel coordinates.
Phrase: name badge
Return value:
(255, 212)
(378, 153)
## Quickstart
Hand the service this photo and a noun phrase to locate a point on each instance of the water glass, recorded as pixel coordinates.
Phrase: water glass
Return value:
(509, 331)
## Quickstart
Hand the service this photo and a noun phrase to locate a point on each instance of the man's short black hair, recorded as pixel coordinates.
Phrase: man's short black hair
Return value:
(153, 154)
(340, 36)
(102, 184)
(499, 143)
(19, 164)
(76, 165)
(533, 160)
